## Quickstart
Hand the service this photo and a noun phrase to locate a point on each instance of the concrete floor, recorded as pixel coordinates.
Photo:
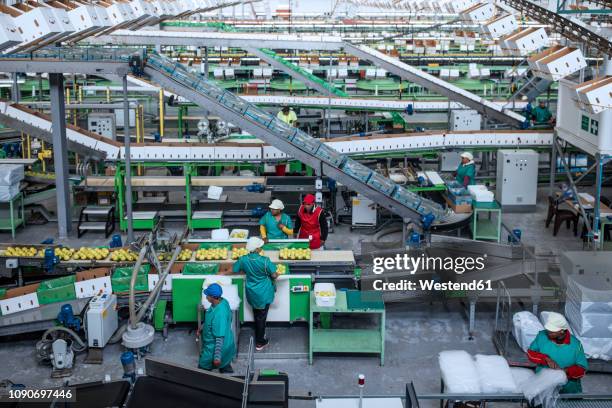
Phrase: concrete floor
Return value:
(415, 333)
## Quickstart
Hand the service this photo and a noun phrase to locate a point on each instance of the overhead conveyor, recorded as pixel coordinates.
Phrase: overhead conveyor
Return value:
(299, 73)
(454, 93)
(254, 42)
(308, 150)
(90, 144)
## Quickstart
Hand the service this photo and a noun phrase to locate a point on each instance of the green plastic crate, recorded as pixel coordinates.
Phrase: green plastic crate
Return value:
(214, 245)
(201, 269)
(120, 280)
(56, 290)
(272, 246)
(2, 293)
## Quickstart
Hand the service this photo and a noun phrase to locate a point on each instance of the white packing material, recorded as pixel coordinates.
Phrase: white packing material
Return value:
(9, 192)
(589, 293)
(494, 374)
(526, 327)
(11, 174)
(543, 388)
(521, 375)
(597, 348)
(589, 324)
(459, 372)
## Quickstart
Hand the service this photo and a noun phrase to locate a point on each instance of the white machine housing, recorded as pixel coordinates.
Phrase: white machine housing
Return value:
(102, 319)
(465, 119)
(363, 211)
(517, 179)
(585, 125)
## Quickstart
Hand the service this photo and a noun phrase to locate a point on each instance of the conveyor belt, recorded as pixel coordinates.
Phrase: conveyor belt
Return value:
(570, 29)
(95, 146)
(395, 66)
(324, 160)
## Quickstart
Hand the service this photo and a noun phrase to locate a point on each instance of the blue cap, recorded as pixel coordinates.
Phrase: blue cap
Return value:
(214, 290)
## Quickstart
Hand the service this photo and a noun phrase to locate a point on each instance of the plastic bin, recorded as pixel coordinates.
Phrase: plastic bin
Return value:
(305, 142)
(330, 156)
(357, 170)
(120, 280)
(325, 294)
(382, 184)
(238, 233)
(56, 290)
(201, 268)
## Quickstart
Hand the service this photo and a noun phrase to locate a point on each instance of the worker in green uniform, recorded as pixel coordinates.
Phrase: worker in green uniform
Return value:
(557, 348)
(260, 275)
(540, 115)
(466, 172)
(275, 224)
(287, 115)
(218, 346)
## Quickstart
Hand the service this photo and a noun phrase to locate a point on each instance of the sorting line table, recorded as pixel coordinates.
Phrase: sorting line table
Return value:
(346, 340)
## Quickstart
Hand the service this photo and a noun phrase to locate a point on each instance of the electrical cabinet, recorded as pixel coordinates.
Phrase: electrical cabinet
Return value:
(102, 319)
(102, 124)
(465, 119)
(363, 211)
(517, 179)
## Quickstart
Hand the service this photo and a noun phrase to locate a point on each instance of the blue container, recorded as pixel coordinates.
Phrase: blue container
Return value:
(518, 234)
(116, 241)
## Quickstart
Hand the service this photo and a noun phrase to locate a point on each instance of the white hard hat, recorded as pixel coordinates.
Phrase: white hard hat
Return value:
(254, 243)
(467, 155)
(277, 205)
(555, 322)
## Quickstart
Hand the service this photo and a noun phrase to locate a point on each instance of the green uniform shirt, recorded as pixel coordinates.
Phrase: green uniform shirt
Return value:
(541, 115)
(271, 225)
(565, 355)
(468, 170)
(217, 323)
(258, 270)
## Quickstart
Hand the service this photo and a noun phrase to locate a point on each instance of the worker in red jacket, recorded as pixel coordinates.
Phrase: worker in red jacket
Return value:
(310, 222)
(557, 348)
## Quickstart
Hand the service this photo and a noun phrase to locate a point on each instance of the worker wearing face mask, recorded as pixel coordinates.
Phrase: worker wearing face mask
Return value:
(260, 274)
(218, 346)
(310, 222)
(557, 348)
(466, 172)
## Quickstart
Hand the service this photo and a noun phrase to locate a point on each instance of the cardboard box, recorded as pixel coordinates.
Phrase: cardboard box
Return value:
(92, 274)
(458, 208)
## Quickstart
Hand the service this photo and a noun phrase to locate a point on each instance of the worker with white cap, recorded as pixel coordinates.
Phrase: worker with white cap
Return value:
(466, 172)
(275, 224)
(260, 274)
(557, 348)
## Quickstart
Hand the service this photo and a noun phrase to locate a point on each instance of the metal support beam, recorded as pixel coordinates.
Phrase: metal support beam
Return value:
(553, 165)
(15, 91)
(206, 62)
(60, 154)
(128, 162)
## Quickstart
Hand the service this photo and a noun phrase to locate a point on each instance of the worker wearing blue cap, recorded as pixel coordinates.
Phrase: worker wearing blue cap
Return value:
(218, 346)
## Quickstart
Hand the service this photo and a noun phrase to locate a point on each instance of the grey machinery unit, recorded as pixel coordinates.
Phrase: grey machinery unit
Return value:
(517, 179)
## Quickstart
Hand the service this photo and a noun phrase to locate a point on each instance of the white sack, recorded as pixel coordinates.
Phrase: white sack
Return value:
(494, 374)
(459, 372)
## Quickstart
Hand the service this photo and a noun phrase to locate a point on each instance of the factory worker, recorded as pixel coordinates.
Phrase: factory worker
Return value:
(275, 224)
(287, 115)
(557, 348)
(311, 223)
(218, 346)
(540, 115)
(260, 274)
(466, 172)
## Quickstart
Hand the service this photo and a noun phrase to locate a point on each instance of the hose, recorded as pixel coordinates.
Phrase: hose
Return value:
(72, 333)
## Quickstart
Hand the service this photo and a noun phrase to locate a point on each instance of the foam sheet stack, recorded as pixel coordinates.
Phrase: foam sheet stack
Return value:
(10, 179)
(588, 309)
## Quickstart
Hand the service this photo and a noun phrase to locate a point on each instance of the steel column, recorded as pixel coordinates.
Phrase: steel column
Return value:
(60, 154)
(15, 91)
(128, 161)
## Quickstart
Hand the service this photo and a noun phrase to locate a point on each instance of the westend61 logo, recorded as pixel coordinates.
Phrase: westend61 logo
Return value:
(423, 265)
